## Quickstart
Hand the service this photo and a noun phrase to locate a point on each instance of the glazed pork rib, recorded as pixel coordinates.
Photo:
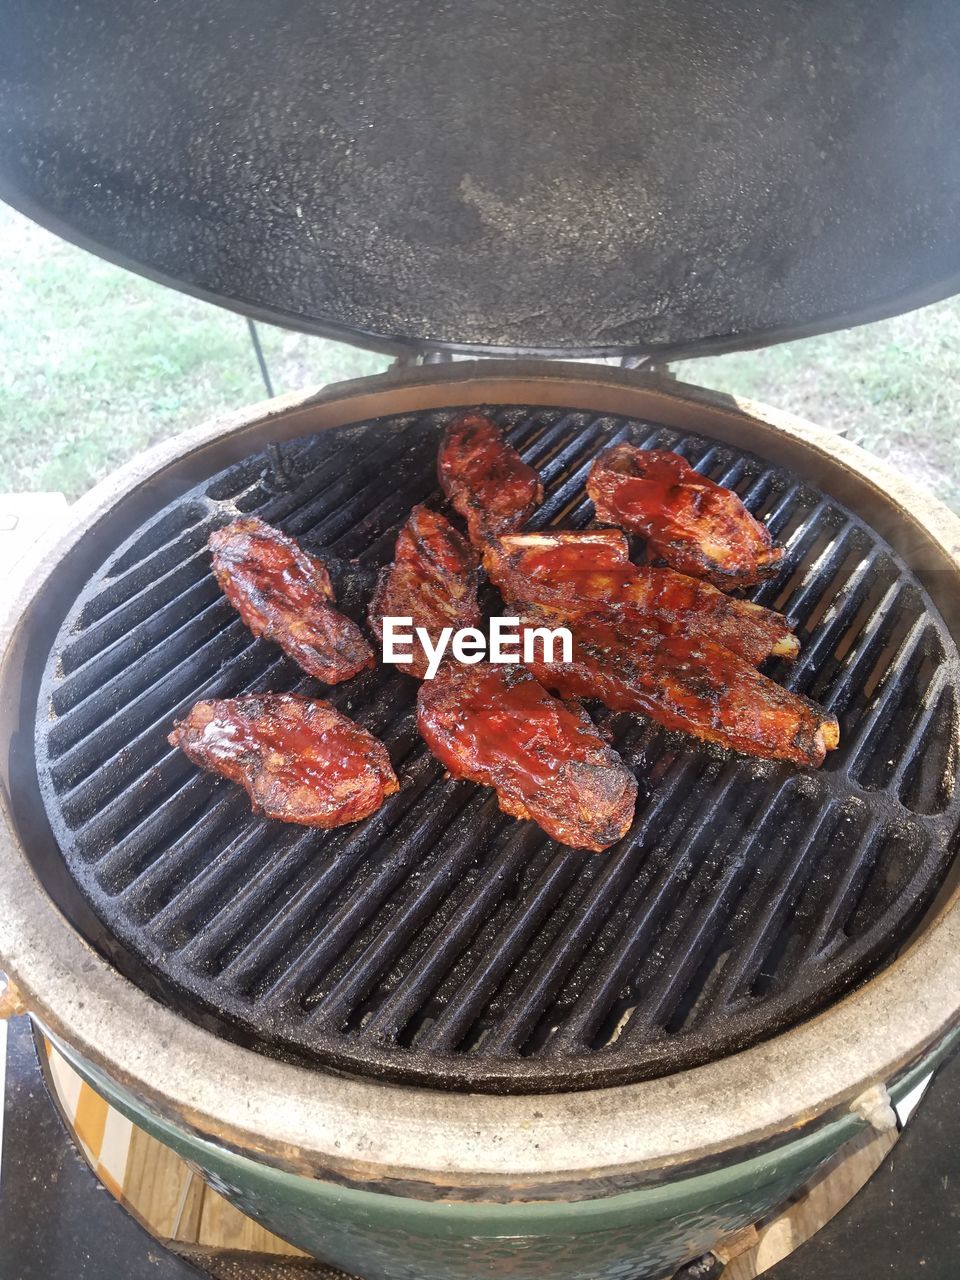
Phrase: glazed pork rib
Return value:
(566, 575)
(299, 759)
(496, 725)
(284, 594)
(694, 685)
(433, 580)
(690, 522)
(485, 478)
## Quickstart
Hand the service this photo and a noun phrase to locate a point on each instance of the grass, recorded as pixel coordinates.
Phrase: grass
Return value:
(97, 363)
(893, 387)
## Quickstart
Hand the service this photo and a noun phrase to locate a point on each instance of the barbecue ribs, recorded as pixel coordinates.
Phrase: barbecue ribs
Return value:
(696, 526)
(567, 575)
(282, 593)
(433, 580)
(496, 725)
(300, 760)
(693, 685)
(485, 478)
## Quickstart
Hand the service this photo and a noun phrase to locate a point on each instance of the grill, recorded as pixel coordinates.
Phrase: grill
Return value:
(437, 1044)
(441, 942)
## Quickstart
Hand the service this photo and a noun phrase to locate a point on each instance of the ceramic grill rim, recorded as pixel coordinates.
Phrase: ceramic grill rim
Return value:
(311, 1121)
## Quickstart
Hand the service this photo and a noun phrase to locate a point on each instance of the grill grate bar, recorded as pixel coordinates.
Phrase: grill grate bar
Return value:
(519, 1020)
(190, 898)
(886, 703)
(256, 896)
(85, 681)
(843, 900)
(917, 732)
(159, 899)
(937, 698)
(272, 944)
(299, 511)
(148, 749)
(683, 833)
(840, 613)
(160, 592)
(165, 563)
(777, 518)
(743, 965)
(125, 816)
(716, 854)
(819, 575)
(96, 752)
(335, 1006)
(709, 919)
(577, 439)
(75, 724)
(454, 1022)
(554, 503)
(400, 1005)
(222, 810)
(800, 544)
(837, 682)
(540, 445)
(761, 492)
(400, 849)
(331, 525)
(735, 473)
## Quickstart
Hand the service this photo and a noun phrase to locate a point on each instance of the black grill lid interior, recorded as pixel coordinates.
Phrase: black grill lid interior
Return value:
(637, 175)
(441, 941)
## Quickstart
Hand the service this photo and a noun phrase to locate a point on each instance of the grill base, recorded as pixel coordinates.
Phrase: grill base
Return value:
(441, 942)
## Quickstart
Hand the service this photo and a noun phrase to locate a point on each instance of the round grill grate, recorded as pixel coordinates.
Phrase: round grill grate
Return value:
(440, 941)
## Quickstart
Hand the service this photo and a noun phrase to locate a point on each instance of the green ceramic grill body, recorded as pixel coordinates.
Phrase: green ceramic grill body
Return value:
(649, 1232)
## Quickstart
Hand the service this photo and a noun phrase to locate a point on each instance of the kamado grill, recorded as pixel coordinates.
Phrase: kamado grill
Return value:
(436, 1043)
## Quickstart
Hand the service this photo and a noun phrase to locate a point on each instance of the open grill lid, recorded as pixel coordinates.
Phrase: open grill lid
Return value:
(637, 176)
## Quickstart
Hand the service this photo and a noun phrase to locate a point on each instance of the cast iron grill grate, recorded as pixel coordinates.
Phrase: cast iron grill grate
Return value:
(440, 941)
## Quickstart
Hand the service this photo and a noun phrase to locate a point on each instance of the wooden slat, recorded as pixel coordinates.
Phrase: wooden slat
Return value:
(161, 1189)
(224, 1227)
(834, 1187)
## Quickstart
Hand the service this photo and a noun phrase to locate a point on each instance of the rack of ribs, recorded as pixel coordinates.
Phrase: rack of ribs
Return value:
(485, 478)
(433, 580)
(693, 685)
(496, 725)
(690, 522)
(299, 759)
(285, 595)
(565, 575)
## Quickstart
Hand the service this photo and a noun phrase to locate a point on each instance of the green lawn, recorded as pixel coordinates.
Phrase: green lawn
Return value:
(97, 363)
(893, 387)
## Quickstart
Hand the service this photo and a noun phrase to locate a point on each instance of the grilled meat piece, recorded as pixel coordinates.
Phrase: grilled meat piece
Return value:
(696, 526)
(563, 575)
(485, 478)
(433, 580)
(282, 593)
(299, 759)
(546, 760)
(696, 686)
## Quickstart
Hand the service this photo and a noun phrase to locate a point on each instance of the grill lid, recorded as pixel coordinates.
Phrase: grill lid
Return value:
(640, 175)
